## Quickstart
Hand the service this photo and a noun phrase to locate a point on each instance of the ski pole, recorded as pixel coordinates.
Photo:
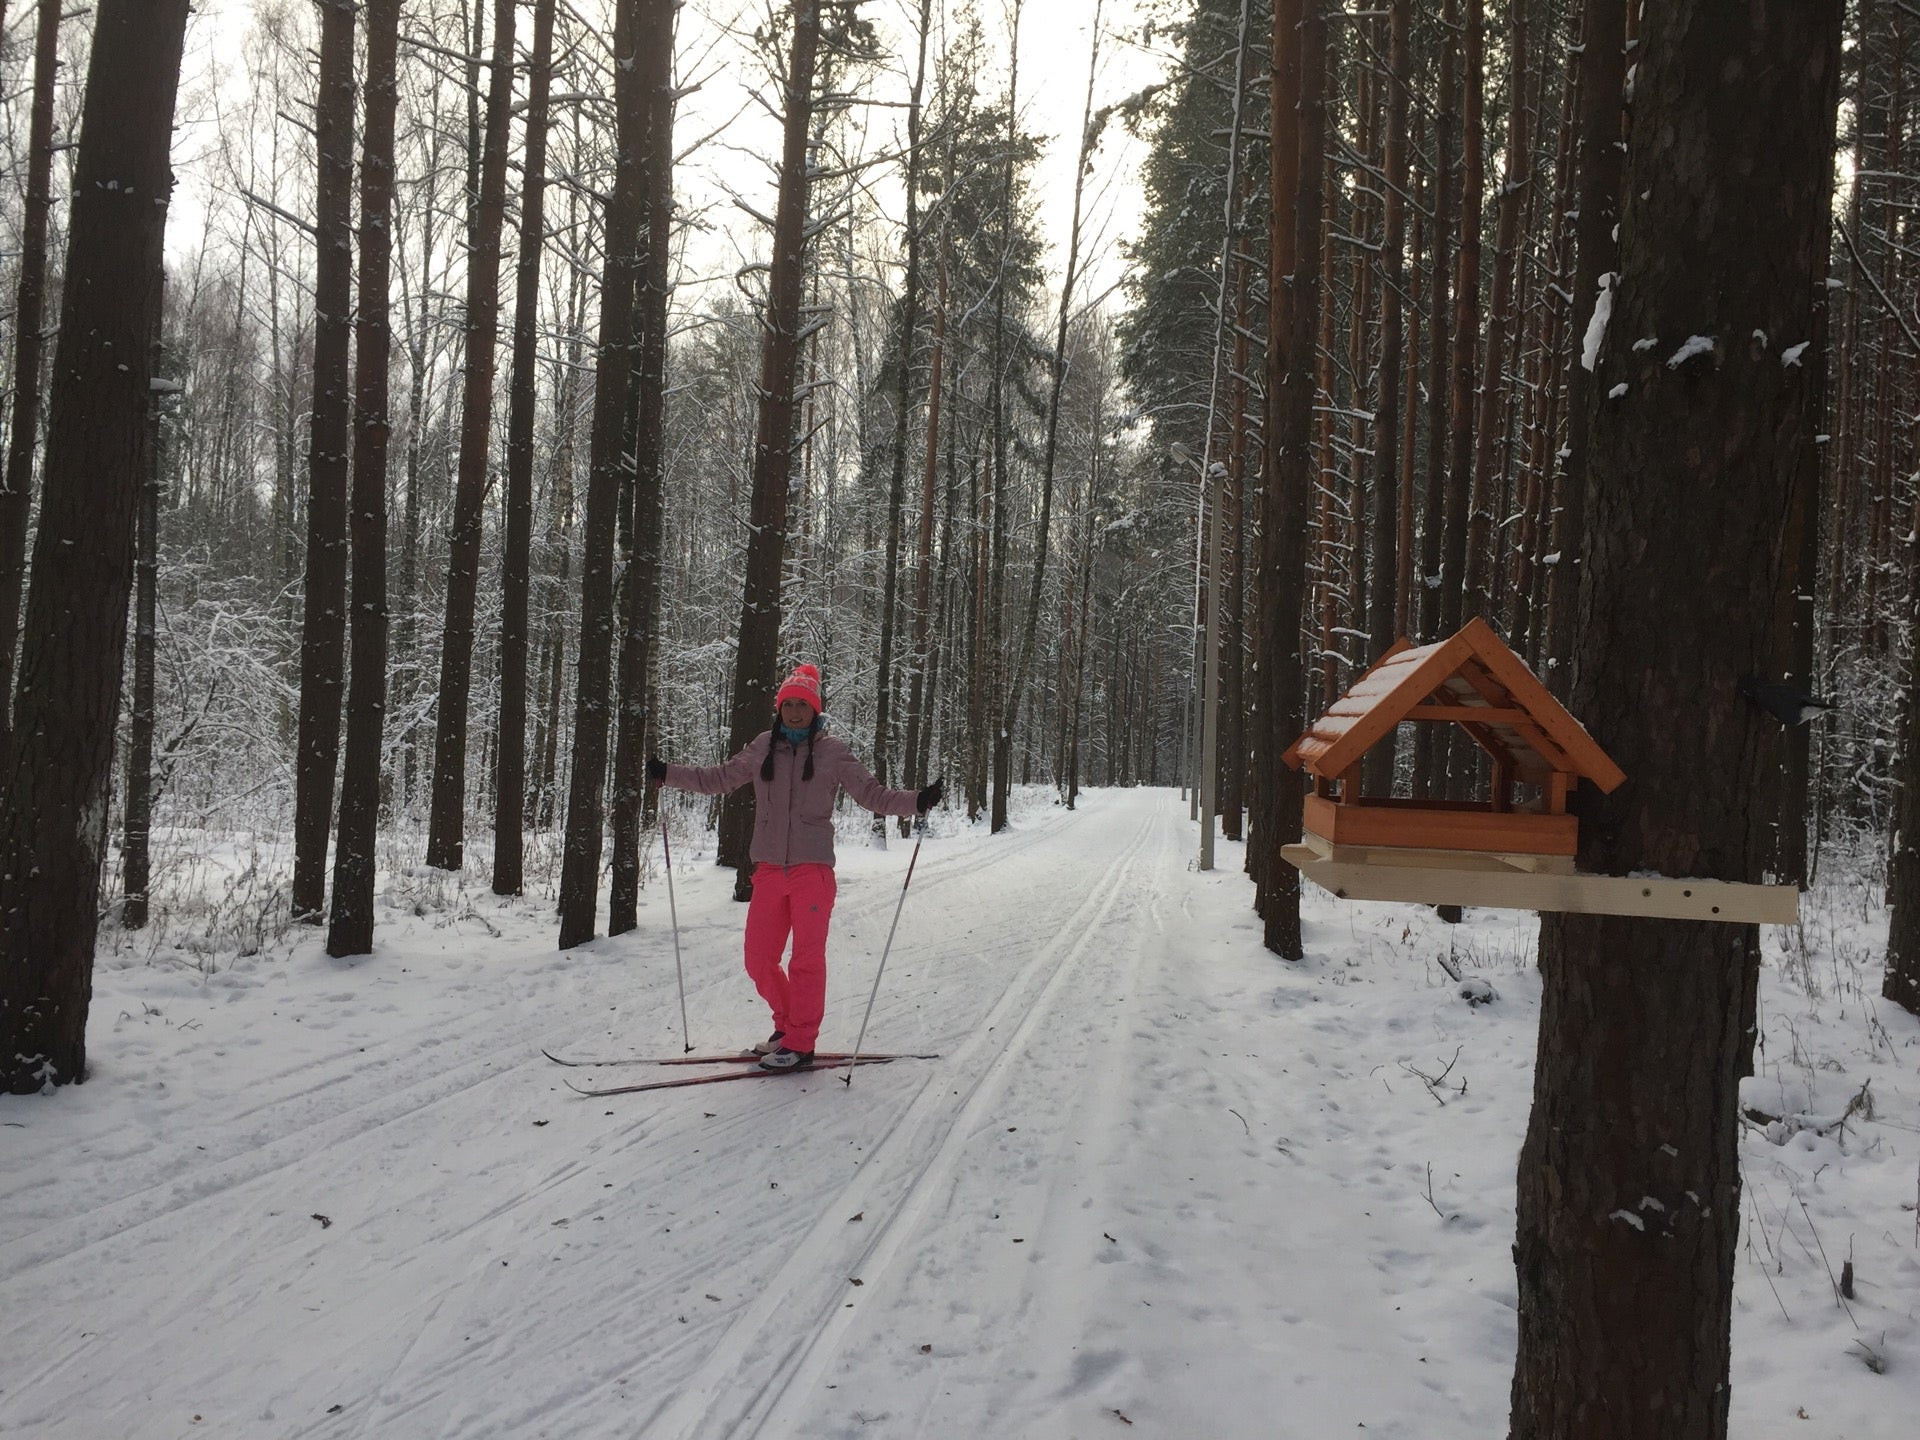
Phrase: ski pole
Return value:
(919, 834)
(666, 851)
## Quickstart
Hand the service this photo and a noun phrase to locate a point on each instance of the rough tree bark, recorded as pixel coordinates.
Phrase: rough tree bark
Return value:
(53, 802)
(758, 651)
(516, 561)
(446, 823)
(323, 632)
(1629, 1186)
(593, 694)
(1297, 151)
(350, 925)
(641, 621)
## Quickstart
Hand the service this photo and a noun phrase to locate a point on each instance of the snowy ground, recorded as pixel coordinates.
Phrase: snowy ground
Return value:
(1157, 1183)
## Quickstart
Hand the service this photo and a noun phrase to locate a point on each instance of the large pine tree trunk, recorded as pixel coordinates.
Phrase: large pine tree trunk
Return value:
(516, 563)
(1629, 1184)
(16, 484)
(53, 804)
(323, 634)
(350, 926)
(446, 825)
(593, 695)
(758, 652)
(642, 597)
(1298, 154)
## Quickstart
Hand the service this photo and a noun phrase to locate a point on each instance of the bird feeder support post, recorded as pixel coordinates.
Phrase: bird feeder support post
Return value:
(1558, 785)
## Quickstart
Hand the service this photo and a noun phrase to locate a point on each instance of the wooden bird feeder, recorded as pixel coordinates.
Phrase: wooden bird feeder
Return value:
(1509, 851)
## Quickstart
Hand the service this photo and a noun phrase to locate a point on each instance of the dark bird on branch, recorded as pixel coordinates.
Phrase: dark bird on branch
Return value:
(1783, 702)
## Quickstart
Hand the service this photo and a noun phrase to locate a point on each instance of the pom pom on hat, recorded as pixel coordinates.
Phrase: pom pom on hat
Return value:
(802, 684)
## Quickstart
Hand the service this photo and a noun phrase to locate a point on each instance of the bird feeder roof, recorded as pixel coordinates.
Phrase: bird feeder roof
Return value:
(1520, 723)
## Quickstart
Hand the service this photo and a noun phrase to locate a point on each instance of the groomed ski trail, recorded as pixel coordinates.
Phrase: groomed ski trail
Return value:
(773, 1355)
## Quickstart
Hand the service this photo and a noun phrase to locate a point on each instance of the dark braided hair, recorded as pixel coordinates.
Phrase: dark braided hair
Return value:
(773, 739)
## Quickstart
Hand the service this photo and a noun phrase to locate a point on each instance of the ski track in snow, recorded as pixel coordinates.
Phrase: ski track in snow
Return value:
(927, 1141)
(1158, 1183)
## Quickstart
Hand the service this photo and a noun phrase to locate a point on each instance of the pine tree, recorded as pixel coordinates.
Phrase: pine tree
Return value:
(516, 562)
(350, 926)
(1629, 1182)
(323, 632)
(53, 806)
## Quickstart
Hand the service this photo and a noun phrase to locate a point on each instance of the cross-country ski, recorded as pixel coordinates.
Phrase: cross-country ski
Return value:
(742, 1058)
(755, 1072)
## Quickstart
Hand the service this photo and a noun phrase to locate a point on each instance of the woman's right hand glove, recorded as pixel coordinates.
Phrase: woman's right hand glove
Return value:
(656, 769)
(930, 797)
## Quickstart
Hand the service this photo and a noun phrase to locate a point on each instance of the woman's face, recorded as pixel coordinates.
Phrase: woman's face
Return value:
(796, 714)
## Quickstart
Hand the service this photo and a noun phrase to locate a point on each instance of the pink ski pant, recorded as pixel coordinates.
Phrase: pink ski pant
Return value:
(792, 900)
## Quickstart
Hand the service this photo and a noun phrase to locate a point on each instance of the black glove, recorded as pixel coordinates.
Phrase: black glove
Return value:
(930, 797)
(656, 769)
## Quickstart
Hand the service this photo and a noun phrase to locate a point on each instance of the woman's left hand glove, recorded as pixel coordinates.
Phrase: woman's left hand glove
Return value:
(930, 797)
(656, 769)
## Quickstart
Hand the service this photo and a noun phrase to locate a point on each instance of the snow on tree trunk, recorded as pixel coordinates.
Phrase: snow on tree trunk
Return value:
(1629, 1184)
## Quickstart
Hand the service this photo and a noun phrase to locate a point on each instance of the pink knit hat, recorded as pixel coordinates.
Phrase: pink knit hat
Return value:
(802, 684)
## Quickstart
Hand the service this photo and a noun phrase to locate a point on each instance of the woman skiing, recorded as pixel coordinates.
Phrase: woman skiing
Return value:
(796, 769)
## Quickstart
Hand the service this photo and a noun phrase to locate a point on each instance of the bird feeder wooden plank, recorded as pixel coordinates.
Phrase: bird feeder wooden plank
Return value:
(1501, 886)
(1497, 862)
(1476, 827)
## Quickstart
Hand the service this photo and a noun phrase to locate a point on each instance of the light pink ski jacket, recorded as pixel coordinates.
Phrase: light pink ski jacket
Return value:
(793, 818)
